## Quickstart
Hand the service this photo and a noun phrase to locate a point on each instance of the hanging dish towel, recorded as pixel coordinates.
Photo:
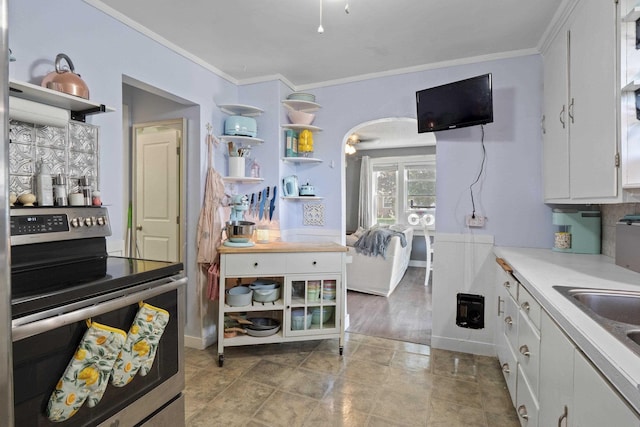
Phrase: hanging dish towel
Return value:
(139, 350)
(213, 279)
(87, 374)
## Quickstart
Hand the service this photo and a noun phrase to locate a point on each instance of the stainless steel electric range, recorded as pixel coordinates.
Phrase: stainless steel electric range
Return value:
(61, 275)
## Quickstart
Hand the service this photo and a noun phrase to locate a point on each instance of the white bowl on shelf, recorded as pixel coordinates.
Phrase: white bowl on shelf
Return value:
(300, 117)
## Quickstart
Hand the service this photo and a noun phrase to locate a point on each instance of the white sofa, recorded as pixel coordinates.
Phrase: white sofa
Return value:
(374, 274)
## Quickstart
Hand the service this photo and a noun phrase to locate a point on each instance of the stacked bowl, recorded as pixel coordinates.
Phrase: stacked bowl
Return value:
(329, 290)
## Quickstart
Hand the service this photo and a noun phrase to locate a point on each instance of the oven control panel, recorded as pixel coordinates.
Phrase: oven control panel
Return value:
(36, 225)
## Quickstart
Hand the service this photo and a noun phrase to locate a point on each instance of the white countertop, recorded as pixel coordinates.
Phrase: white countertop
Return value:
(541, 269)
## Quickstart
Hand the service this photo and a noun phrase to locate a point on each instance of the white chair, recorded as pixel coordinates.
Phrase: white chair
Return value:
(429, 252)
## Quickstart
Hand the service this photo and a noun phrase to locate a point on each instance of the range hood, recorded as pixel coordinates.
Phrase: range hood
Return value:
(35, 112)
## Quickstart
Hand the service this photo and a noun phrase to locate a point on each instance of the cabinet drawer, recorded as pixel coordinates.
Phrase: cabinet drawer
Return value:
(508, 365)
(253, 264)
(529, 306)
(528, 351)
(527, 404)
(510, 284)
(510, 321)
(314, 262)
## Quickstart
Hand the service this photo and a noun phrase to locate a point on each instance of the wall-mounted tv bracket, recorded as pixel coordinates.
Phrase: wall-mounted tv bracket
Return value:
(638, 34)
(81, 115)
(637, 93)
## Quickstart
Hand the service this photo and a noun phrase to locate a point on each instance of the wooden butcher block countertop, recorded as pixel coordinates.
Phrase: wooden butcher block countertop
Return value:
(283, 247)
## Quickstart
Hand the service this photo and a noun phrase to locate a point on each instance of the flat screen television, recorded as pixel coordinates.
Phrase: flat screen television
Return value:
(459, 104)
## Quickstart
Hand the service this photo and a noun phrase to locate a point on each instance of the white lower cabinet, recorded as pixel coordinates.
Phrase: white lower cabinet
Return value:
(526, 401)
(572, 391)
(556, 375)
(595, 403)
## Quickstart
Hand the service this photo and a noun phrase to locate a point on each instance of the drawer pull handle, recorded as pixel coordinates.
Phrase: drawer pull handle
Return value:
(314, 262)
(255, 264)
(508, 320)
(505, 368)
(507, 284)
(522, 411)
(525, 306)
(564, 416)
(500, 311)
(524, 350)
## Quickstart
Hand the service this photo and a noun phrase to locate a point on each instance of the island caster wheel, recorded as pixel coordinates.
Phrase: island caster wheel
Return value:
(341, 349)
(220, 360)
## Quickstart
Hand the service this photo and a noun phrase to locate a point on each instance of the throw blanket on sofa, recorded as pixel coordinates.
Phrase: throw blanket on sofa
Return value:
(375, 240)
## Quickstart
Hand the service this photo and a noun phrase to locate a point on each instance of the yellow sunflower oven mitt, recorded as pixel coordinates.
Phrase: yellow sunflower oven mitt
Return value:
(87, 374)
(140, 348)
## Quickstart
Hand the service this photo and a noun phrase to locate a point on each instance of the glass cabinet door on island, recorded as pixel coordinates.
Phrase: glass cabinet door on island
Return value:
(312, 302)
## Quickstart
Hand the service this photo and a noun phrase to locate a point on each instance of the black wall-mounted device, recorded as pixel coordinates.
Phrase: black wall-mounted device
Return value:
(470, 313)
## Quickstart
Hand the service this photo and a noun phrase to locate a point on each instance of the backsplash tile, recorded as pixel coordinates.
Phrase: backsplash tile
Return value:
(72, 151)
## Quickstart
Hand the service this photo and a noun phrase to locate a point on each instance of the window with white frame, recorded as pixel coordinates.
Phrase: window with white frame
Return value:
(404, 190)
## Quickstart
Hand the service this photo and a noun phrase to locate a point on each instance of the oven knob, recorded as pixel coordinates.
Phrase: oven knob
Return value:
(88, 221)
(75, 223)
(101, 220)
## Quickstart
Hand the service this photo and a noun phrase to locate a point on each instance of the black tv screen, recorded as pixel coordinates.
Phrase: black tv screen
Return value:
(463, 103)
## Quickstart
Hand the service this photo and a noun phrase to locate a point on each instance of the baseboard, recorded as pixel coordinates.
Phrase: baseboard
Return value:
(463, 346)
(199, 343)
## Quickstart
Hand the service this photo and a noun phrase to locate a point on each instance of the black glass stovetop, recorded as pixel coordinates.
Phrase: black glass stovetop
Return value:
(33, 290)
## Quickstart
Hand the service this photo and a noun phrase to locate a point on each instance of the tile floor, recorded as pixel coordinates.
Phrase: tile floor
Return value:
(377, 382)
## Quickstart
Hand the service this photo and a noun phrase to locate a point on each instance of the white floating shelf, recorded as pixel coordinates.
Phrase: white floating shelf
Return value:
(633, 85)
(301, 160)
(298, 198)
(79, 107)
(633, 15)
(241, 110)
(306, 106)
(242, 180)
(246, 140)
(302, 127)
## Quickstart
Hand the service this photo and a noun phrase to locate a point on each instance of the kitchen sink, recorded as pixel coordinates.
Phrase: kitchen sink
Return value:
(616, 311)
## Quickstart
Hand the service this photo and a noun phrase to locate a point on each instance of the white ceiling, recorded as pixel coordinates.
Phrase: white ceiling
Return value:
(250, 40)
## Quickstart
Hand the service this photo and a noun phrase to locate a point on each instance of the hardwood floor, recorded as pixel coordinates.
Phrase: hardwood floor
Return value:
(405, 315)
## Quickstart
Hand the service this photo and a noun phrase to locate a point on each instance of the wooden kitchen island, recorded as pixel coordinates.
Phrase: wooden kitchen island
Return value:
(311, 280)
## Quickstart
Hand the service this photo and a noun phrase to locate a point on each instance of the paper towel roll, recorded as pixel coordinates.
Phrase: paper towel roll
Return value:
(34, 112)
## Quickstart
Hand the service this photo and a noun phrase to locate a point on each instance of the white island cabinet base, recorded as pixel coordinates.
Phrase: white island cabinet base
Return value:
(311, 278)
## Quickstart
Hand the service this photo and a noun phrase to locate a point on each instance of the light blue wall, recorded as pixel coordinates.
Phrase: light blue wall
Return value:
(510, 192)
(103, 50)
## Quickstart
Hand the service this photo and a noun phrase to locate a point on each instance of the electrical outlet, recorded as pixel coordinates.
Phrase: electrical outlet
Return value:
(475, 221)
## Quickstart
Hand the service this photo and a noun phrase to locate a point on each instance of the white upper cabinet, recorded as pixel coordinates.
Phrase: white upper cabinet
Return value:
(581, 107)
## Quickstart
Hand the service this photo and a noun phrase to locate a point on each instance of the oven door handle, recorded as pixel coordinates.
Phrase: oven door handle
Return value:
(28, 326)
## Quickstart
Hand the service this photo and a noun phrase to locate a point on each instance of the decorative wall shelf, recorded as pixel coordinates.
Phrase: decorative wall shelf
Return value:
(302, 127)
(633, 15)
(299, 198)
(245, 140)
(300, 160)
(240, 110)
(79, 107)
(297, 105)
(242, 180)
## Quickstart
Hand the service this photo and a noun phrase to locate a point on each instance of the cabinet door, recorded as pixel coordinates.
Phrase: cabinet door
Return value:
(313, 304)
(556, 136)
(593, 100)
(596, 404)
(556, 375)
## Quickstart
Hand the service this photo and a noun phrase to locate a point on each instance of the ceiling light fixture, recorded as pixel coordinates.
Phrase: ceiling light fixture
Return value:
(346, 8)
(349, 149)
(320, 28)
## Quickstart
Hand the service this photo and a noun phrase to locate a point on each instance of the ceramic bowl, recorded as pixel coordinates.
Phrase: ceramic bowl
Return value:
(239, 296)
(327, 312)
(300, 117)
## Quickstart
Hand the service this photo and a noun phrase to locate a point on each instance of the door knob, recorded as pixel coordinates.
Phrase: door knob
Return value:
(138, 227)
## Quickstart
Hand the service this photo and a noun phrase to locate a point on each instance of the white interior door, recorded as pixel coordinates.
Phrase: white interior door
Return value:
(157, 194)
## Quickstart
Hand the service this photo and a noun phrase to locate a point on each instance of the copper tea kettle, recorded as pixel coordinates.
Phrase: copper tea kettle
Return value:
(66, 80)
